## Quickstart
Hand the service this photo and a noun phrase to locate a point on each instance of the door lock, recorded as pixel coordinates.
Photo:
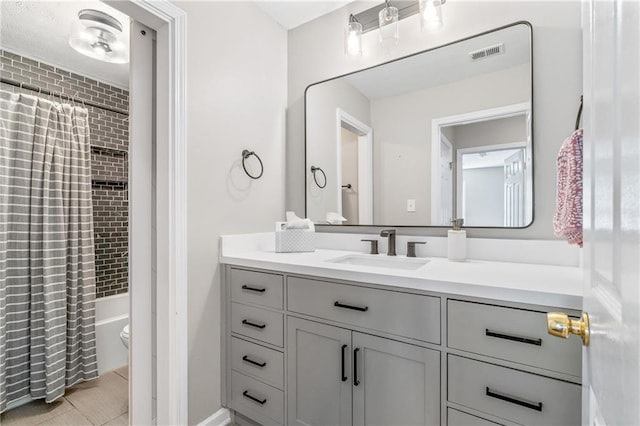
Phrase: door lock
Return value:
(560, 325)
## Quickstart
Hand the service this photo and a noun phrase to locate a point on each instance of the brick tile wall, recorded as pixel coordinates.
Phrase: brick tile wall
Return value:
(109, 130)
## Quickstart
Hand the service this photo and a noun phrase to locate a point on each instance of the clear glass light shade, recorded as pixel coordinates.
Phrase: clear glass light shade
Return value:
(353, 39)
(388, 26)
(99, 40)
(431, 15)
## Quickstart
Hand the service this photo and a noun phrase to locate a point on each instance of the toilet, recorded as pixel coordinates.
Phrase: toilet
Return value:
(124, 336)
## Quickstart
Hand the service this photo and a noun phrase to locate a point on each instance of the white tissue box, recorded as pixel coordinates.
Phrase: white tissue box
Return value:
(295, 240)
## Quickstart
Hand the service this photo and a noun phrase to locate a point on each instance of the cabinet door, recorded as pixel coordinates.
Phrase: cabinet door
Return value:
(319, 374)
(394, 383)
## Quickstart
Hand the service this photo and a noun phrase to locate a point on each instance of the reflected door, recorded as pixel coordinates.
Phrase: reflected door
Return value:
(514, 190)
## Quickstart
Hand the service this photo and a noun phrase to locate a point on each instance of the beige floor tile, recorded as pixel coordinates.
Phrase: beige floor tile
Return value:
(122, 371)
(70, 418)
(101, 400)
(123, 420)
(34, 413)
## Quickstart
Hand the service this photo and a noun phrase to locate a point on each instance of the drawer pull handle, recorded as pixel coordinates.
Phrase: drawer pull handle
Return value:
(256, 363)
(253, 324)
(356, 382)
(344, 376)
(513, 337)
(256, 289)
(355, 308)
(246, 394)
(518, 401)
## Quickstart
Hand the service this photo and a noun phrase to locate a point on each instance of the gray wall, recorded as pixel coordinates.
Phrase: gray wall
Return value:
(323, 146)
(484, 193)
(494, 132)
(316, 53)
(236, 100)
(402, 137)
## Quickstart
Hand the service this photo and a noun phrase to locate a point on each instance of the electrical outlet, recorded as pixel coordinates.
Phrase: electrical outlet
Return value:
(411, 206)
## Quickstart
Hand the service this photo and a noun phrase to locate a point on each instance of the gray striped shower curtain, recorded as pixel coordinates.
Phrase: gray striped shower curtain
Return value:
(47, 271)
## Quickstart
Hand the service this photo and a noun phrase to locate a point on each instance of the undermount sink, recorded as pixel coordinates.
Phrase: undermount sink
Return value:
(381, 261)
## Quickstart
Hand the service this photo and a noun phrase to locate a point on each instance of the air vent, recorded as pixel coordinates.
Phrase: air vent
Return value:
(496, 49)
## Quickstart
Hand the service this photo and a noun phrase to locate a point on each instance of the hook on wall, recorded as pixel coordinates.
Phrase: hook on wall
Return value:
(246, 154)
(579, 113)
(315, 169)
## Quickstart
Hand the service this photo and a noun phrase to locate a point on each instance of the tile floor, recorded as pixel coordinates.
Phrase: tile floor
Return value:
(103, 401)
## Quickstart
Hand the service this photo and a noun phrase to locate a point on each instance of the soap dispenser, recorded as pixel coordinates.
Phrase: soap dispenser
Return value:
(457, 242)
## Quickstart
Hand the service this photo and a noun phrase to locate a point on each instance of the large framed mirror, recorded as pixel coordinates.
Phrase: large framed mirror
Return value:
(441, 134)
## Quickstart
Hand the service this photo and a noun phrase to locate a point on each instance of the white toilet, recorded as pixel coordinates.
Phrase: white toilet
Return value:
(124, 336)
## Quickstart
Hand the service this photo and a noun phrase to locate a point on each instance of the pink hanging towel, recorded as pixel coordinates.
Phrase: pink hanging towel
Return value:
(567, 221)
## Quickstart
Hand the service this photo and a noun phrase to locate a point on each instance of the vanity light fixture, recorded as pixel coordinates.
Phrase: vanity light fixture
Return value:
(353, 37)
(431, 14)
(99, 35)
(388, 25)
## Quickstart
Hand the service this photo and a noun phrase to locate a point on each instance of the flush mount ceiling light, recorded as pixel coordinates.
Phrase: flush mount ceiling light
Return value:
(99, 35)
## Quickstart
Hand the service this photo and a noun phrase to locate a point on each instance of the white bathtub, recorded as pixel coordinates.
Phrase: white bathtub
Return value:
(112, 314)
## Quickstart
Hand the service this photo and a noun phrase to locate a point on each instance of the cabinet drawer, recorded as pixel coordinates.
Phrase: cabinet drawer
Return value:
(256, 360)
(261, 402)
(512, 334)
(260, 324)
(259, 288)
(408, 315)
(513, 395)
(458, 418)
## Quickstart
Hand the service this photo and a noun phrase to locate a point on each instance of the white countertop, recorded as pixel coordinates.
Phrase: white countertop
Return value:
(551, 285)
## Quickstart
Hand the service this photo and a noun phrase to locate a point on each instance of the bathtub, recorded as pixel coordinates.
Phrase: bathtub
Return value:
(112, 314)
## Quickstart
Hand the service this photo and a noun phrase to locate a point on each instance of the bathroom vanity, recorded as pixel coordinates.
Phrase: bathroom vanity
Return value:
(309, 339)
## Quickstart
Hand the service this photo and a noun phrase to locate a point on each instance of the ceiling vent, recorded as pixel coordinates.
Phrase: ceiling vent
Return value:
(486, 52)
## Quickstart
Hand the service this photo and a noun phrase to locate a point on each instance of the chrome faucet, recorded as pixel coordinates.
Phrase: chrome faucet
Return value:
(391, 247)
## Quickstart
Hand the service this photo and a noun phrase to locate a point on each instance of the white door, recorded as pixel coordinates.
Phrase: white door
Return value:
(446, 181)
(514, 189)
(611, 363)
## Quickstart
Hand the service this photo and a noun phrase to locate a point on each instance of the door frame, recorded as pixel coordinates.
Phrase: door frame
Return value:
(365, 164)
(506, 111)
(170, 269)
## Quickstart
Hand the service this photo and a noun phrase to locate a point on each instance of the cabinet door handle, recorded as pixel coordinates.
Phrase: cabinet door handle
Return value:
(356, 382)
(343, 350)
(246, 394)
(355, 308)
(256, 289)
(253, 324)
(518, 401)
(513, 337)
(256, 363)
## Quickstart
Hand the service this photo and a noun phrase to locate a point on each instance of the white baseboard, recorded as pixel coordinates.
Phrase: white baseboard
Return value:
(222, 417)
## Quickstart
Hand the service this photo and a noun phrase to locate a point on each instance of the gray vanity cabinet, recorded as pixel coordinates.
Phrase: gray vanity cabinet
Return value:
(319, 368)
(399, 384)
(335, 373)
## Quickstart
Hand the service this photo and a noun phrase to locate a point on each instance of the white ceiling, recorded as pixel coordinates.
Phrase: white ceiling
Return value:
(40, 30)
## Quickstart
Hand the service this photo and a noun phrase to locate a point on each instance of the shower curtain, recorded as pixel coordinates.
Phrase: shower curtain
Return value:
(47, 271)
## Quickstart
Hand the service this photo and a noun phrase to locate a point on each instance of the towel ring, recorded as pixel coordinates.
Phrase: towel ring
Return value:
(246, 154)
(314, 169)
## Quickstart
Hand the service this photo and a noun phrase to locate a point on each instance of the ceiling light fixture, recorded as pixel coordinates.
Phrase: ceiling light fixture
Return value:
(99, 35)
(388, 25)
(431, 14)
(353, 37)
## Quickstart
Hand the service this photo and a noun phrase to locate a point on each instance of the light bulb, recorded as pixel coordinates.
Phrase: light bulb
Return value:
(353, 39)
(388, 26)
(431, 15)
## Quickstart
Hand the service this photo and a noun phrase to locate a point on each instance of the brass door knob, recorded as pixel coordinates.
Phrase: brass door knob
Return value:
(560, 325)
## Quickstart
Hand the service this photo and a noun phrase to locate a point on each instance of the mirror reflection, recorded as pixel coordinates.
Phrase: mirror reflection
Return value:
(442, 134)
